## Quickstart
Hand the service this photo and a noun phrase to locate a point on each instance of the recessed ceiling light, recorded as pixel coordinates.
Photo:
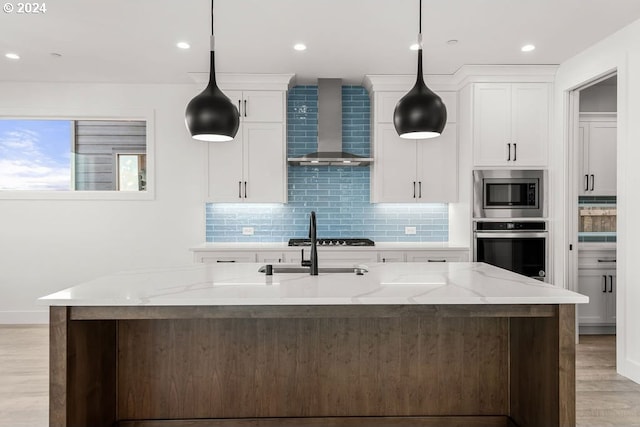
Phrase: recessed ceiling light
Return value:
(414, 46)
(183, 45)
(452, 42)
(56, 54)
(12, 56)
(527, 48)
(300, 46)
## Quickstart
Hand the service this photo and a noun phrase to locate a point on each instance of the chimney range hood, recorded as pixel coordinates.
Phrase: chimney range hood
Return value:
(330, 151)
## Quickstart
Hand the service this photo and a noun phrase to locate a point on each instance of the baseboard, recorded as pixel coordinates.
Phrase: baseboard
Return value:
(24, 317)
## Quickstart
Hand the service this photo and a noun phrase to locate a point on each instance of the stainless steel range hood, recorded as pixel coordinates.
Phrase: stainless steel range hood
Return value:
(330, 131)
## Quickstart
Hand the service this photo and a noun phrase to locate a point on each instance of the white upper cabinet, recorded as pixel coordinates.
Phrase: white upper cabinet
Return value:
(413, 171)
(252, 168)
(597, 144)
(259, 105)
(511, 124)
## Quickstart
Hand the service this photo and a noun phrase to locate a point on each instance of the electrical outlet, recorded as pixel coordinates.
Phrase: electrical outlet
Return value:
(247, 231)
(409, 230)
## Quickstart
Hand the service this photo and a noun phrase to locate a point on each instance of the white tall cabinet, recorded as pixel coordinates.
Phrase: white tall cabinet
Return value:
(252, 167)
(511, 124)
(413, 171)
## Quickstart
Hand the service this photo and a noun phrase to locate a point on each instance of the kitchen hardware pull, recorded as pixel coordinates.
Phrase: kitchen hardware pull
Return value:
(245, 108)
(384, 260)
(510, 235)
(436, 260)
(606, 260)
(593, 181)
(515, 151)
(225, 260)
(240, 189)
(420, 189)
(508, 152)
(586, 183)
(239, 107)
(414, 189)
(604, 290)
(610, 284)
(245, 189)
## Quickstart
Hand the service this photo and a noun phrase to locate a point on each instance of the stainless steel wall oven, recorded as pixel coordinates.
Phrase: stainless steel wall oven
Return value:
(519, 246)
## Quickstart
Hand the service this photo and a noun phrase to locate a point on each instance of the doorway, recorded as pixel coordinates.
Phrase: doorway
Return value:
(593, 202)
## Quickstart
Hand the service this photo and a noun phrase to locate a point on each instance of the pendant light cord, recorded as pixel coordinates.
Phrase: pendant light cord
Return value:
(419, 18)
(212, 40)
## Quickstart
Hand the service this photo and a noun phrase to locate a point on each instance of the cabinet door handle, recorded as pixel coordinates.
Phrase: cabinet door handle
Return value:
(606, 260)
(420, 189)
(508, 152)
(245, 108)
(239, 107)
(593, 181)
(240, 189)
(586, 183)
(414, 189)
(604, 290)
(225, 260)
(610, 284)
(515, 151)
(245, 189)
(384, 260)
(436, 260)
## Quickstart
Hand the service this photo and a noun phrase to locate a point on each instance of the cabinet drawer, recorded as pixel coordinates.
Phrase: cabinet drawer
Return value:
(391, 256)
(224, 256)
(437, 256)
(597, 259)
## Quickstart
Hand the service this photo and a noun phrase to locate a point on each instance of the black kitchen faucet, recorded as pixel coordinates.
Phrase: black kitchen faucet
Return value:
(312, 262)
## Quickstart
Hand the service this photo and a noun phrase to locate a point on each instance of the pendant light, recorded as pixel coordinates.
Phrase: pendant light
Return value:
(420, 113)
(211, 116)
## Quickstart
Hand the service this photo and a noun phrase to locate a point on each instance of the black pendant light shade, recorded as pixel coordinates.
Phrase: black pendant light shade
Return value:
(211, 116)
(420, 113)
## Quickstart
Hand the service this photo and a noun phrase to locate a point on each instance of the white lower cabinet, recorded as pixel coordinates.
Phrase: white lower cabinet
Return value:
(597, 280)
(600, 286)
(332, 256)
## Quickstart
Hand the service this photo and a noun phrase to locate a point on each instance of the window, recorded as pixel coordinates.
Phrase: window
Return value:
(67, 156)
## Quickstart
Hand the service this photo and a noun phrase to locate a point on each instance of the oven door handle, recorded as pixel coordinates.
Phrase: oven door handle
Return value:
(511, 235)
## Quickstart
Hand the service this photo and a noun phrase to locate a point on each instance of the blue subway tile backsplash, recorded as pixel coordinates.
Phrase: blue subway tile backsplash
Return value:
(339, 195)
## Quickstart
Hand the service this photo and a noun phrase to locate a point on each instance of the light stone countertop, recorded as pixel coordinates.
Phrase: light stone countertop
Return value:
(379, 246)
(384, 283)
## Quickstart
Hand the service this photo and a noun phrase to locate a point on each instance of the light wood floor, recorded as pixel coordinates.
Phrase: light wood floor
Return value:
(604, 398)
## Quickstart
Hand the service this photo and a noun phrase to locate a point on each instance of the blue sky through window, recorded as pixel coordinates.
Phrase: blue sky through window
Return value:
(35, 154)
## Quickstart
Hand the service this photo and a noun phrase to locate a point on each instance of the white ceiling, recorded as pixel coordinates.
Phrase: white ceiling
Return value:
(134, 40)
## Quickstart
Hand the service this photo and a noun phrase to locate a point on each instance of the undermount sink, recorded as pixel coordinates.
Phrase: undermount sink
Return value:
(299, 269)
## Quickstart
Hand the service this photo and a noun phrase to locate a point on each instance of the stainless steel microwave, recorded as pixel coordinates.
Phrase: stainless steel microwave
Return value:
(509, 194)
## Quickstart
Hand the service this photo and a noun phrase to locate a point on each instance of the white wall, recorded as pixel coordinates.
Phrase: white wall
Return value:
(49, 245)
(620, 51)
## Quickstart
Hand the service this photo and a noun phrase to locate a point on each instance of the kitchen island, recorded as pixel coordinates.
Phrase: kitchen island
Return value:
(446, 344)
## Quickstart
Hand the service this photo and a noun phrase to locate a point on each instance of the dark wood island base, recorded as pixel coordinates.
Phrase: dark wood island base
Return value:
(340, 365)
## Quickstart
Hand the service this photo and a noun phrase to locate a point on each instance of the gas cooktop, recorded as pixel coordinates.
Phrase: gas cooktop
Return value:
(333, 242)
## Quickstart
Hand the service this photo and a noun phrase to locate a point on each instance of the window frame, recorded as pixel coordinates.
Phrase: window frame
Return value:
(125, 114)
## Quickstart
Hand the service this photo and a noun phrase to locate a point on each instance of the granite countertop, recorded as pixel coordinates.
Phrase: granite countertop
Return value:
(384, 283)
(384, 246)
